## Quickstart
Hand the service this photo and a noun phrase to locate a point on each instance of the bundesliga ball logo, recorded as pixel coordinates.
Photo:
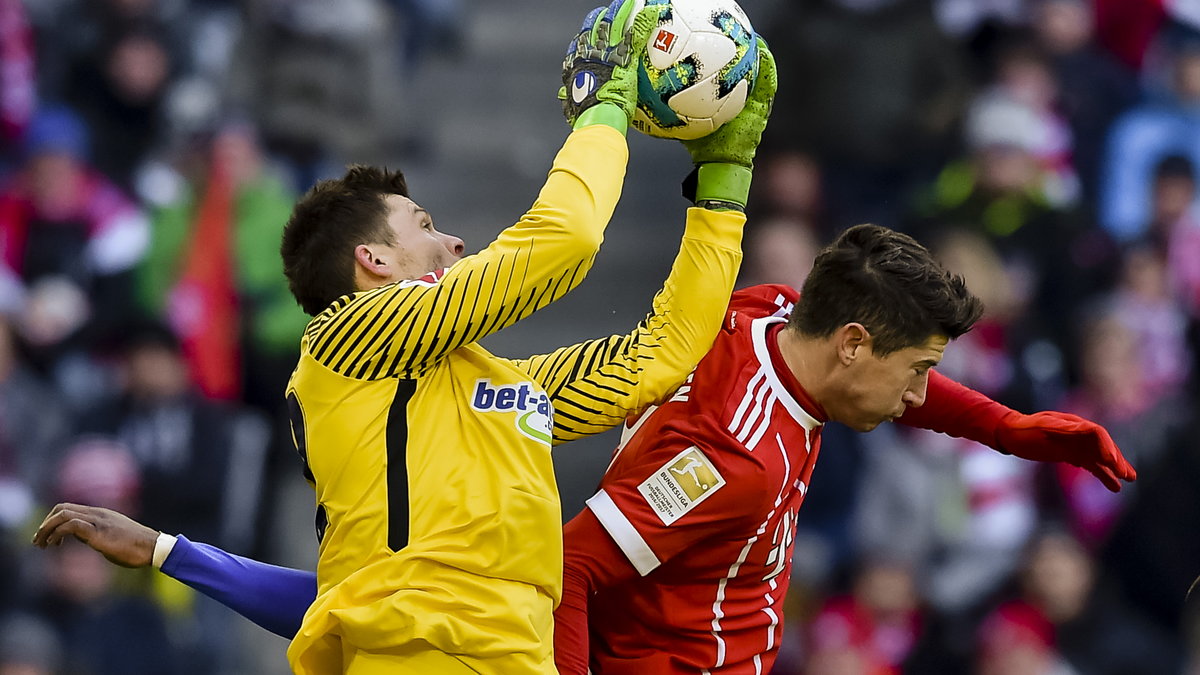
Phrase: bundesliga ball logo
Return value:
(699, 69)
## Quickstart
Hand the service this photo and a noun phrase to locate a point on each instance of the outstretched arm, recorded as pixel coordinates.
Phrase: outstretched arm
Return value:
(272, 597)
(1047, 436)
(400, 329)
(596, 384)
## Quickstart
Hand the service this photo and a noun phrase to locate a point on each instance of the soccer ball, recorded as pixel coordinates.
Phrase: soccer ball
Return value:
(699, 66)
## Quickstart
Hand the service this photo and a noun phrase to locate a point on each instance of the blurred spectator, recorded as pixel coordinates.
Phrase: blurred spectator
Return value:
(29, 646)
(1174, 228)
(1094, 88)
(1016, 116)
(1024, 74)
(103, 631)
(998, 191)
(958, 512)
(201, 461)
(1017, 639)
(1166, 124)
(72, 35)
(99, 471)
(1063, 621)
(33, 427)
(240, 227)
(873, 628)
(120, 94)
(71, 237)
(1114, 392)
(780, 250)
(790, 185)
(320, 84)
(18, 87)
(1144, 302)
(202, 467)
(1153, 553)
(882, 87)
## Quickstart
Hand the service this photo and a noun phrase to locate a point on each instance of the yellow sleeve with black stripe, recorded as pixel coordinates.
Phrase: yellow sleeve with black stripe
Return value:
(401, 328)
(594, 385)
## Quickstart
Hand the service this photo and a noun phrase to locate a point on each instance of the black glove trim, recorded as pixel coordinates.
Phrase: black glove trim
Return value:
(719, 205)
(689, 184)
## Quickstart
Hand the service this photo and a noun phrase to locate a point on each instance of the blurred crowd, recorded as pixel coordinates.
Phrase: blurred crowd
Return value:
(1047, 150)
(150, 152)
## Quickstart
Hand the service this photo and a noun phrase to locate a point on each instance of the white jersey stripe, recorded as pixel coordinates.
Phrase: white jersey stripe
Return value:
(787, 466)
(718, 613)
(741, 409)
(774, 621)
(623, 533)
(766, 422)
(756, 410)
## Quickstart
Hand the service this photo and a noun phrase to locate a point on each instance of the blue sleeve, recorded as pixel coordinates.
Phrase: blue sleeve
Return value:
(273, 597)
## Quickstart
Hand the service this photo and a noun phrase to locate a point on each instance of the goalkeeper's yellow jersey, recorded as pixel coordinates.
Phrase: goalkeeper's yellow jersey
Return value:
(437, 509)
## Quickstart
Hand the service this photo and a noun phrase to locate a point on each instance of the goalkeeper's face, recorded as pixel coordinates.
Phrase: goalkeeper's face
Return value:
(418, 247)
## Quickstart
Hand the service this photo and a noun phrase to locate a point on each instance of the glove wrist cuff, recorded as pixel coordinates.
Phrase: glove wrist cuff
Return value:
(608, 114)
(718, 182)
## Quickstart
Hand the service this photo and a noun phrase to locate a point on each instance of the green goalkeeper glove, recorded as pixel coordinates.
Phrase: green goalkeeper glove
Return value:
(601, 63)
(724, 159)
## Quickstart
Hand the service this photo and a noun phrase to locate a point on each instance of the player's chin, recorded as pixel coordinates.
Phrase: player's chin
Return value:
(870, 425)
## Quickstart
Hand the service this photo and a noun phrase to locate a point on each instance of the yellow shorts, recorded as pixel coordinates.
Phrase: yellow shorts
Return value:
(417, 659)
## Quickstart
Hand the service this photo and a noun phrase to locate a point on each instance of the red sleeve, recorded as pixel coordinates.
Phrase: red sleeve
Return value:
(591, 561)
(958, 411)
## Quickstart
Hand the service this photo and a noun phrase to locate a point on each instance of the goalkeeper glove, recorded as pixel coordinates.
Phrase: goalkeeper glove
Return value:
(601, 63)
(724, 159)
(1051, 436)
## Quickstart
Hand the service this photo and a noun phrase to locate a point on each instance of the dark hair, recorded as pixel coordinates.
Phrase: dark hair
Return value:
(327, 223)
(890, 284)
(149, 333)
(1175, 166)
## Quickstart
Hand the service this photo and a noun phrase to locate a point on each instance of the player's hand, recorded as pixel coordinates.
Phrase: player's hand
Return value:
(1062, 437)
(120, 539)
(602, 61)
(736, 141)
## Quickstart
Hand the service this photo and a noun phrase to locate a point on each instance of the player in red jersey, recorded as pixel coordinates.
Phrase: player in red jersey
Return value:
(683, 557)
(681, 561)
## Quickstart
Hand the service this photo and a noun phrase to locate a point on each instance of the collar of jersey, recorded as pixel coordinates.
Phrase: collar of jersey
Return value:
(758, 333)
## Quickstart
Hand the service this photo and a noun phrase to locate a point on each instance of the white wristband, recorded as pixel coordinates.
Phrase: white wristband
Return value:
(162, 548)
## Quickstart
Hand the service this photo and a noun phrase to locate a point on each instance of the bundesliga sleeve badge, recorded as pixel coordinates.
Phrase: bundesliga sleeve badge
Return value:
(680, 484)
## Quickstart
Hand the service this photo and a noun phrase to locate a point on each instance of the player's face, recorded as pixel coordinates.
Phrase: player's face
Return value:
(419, 248)
(879, 389)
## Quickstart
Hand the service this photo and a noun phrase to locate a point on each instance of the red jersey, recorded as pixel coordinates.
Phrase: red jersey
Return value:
(702, 498)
